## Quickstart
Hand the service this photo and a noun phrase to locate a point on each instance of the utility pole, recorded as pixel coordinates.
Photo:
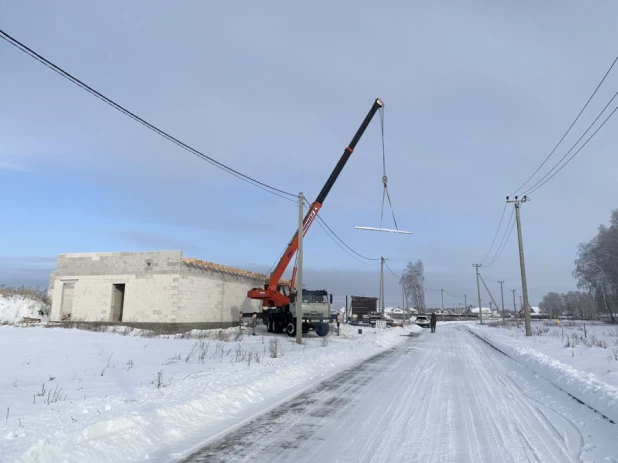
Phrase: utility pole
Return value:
(442, 296)
(382, 283)
(465, 302)
(502, 295)
(478, 289)
(514, 305)
(299, 272)
(403, 306)
(521, 304)
(522, 263)
(346, 308)
(488, 292)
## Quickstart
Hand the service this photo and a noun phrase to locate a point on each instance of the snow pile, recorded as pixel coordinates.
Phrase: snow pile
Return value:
(89, 396)
(14, 308)
(584, 386)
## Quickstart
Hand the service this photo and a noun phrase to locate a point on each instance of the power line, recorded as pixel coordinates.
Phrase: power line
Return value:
(252, 181)
(497, 256)
(338, 241)
(389, 269)
(488, 275)
(342, 248)
(535, 187)
(506, 230)
(569, 129)
(452, 295)
(496, 234)
(320, 219)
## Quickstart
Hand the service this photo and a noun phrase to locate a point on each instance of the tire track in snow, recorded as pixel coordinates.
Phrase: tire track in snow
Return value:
(443, 397)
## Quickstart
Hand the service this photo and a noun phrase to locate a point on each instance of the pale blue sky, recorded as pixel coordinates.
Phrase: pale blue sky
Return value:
(476, 95)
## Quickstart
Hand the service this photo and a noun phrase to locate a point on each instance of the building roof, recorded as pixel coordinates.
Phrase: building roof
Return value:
(231, 270)
(223, 268)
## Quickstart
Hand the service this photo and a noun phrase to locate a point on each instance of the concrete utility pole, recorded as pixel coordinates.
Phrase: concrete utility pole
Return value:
(465, 302)
(489, 292)
(514, 304)
(442, 296)
(522, 263)
(403, 306)
(478, 289)
(382, 284)
(502, 295)
(299, 272)
(521, 304)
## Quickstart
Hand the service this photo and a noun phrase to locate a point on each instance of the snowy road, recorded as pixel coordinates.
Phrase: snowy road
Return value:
(443, 397)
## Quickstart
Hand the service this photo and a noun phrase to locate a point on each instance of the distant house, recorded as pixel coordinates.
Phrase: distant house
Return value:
(475, 310)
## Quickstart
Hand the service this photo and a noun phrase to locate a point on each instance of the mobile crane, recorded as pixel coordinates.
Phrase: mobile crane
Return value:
(278, 301)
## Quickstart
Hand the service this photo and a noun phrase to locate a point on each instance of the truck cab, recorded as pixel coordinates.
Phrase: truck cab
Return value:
(315, 313)
(315, 306)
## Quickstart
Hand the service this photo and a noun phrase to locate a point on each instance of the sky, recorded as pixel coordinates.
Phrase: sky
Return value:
(476, 95)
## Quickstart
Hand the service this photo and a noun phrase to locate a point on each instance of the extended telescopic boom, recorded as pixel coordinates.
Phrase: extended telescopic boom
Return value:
(270, 296)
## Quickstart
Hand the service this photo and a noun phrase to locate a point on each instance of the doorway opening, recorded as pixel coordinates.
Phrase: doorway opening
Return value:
(117, 302)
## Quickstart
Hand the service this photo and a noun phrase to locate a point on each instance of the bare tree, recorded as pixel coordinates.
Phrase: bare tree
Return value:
(552, 304)
(576, 304)
(414, 279)
(596, 267)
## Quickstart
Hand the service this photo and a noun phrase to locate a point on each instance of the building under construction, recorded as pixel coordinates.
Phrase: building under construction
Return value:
(149, 287)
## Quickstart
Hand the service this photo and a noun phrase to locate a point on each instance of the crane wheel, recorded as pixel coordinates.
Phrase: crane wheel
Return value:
(290, 329)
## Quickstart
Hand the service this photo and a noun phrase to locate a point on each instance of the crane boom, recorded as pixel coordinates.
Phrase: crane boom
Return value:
(270, 296)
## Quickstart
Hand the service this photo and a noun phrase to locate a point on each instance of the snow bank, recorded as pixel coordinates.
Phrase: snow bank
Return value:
(585, 387)
(111, 409)
(14, 308)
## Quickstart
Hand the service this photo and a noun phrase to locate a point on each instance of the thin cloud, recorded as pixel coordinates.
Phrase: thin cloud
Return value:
(9, 166)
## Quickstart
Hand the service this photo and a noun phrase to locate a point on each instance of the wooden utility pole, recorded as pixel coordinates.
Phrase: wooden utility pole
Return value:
(299, 272)
(478, 289)
(522, 263)
(502, 296)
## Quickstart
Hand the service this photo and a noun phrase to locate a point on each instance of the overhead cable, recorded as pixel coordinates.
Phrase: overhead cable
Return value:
(538, 185)
(495, 235)
(252, 181)
(506, 240)
(568, 130)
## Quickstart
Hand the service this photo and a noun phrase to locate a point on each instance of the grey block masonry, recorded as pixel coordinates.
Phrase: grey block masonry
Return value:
(159, 287)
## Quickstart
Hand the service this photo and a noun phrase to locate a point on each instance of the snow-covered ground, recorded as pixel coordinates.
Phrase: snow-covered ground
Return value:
(73, 395)
(443, 397)
(14, 308)
(580, 358)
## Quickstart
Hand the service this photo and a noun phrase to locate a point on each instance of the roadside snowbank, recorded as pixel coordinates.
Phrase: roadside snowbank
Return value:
(585, 387)
(14, 308)
(80, 396)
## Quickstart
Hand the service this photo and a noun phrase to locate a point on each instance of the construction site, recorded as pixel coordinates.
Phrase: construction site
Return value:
(165, 287)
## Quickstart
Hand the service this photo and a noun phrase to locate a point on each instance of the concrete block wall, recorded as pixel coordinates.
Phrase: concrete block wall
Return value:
(207, 295)
(151, 285)
(148, 300)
